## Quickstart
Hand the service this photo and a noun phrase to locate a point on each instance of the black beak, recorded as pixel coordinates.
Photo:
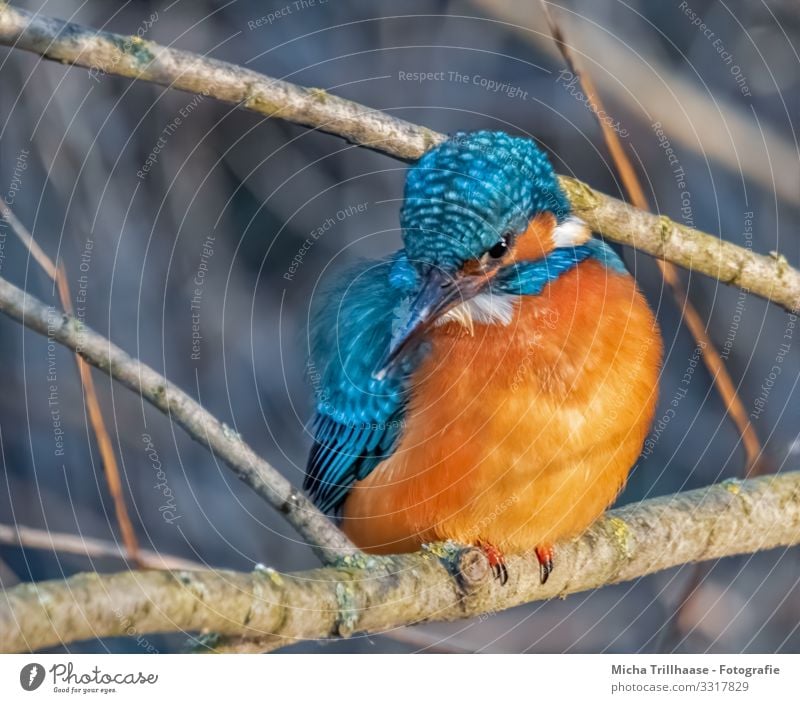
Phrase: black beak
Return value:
(440, 292)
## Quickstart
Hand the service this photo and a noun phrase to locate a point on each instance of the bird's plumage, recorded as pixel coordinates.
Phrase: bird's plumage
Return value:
(491, 382)
(358, 417)
(522, 435)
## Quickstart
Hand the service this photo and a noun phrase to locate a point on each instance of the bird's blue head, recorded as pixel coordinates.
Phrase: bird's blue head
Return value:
(472, 192)
(478, 208)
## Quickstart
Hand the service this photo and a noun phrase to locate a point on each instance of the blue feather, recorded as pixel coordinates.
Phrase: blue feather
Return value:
(358, 417)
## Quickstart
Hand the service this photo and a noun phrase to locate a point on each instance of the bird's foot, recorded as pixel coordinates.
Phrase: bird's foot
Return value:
(545, 555)
(496, 561)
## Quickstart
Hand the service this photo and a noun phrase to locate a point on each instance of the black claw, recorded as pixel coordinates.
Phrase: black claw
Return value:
(500, 573)
(545, 569)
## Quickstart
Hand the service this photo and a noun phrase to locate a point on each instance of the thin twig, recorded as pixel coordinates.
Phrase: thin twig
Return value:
(322, 535)
(633, 187)
(770, 277)
(33, 538)
(718, 371)
(378, 593)
(110, 467)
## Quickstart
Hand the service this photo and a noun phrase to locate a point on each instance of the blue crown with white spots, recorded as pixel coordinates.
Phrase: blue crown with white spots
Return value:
(465, 194)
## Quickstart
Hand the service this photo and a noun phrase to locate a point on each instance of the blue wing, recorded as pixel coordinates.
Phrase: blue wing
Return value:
(358, 418)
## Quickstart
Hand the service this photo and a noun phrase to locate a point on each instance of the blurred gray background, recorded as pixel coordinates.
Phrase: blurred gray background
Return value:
(231, 197)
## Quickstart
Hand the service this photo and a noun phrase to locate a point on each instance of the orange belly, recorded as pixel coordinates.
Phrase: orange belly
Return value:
(519, 435)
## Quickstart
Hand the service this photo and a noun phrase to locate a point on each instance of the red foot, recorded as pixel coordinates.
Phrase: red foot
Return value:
(545, 555)
(496, 560)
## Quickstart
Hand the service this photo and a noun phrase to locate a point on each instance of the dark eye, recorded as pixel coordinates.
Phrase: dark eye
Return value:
(499, 250)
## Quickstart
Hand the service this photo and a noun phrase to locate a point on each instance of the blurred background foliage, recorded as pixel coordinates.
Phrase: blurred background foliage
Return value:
(237, 199)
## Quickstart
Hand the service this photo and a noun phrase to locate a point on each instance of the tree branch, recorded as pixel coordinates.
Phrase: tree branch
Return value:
(373, 594)
(770, 277)
(633, 187)
(326, 540)
(58, 275)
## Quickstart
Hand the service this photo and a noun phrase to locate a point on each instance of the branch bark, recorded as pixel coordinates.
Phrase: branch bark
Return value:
(374, 594)
(770, 277)
(322, 535)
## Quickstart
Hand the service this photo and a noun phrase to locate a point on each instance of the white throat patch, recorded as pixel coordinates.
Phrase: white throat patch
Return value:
(483, 309)
(571, 232)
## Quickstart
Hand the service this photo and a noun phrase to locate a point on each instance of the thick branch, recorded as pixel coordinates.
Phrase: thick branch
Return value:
(203, 427)
(769, 277)
(375, 594)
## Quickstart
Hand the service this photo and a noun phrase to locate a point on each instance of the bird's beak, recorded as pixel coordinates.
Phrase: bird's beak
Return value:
(440, 292)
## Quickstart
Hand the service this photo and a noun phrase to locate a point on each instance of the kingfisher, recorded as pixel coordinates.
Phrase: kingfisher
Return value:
(490, 383)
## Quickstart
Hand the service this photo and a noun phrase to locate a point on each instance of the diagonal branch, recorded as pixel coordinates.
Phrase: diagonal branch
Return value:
(59, 276)
(633, 187)
(770, 277)
(711, 357)
(374, 594)
(326, 540)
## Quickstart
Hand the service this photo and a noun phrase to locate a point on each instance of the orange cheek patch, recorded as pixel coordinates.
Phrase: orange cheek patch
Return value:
(536, 240)
(472, 267)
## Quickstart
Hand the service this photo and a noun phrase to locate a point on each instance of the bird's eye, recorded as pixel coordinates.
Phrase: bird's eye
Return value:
(499, 250)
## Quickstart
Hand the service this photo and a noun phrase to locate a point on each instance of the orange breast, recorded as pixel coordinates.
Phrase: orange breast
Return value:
(519, 435)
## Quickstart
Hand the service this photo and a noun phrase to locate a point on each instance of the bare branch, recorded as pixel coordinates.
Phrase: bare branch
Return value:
(326, 540)
(374, 594)
(633, 188)
(59, 276)
(33, 538)
(770, 277)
